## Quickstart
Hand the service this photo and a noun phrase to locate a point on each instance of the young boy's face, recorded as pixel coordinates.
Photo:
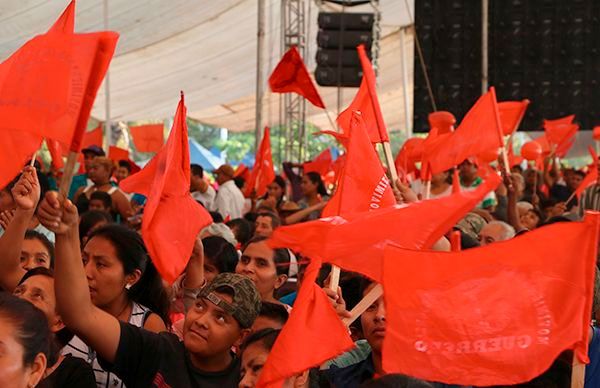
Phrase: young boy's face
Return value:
(209, 330)
(98, 205)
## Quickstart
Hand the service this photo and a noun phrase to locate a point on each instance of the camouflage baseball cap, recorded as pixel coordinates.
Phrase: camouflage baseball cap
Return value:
(246, 299)
(471, 225)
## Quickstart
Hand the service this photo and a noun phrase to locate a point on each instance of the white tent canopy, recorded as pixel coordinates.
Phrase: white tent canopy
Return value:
(206, 48)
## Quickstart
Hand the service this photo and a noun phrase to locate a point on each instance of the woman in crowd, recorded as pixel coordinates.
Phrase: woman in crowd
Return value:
(27, 343)
(314, 199)
(441, 185)
(267, 268)
(275, 196)
(37, 287)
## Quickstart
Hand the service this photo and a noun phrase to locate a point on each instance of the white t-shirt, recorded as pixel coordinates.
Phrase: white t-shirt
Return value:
(230, 201)
(419, 188)
(207, 198)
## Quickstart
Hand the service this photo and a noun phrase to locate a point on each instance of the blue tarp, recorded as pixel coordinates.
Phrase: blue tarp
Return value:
(203, 157)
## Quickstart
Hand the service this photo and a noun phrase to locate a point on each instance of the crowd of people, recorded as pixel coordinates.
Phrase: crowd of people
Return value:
(83, 305)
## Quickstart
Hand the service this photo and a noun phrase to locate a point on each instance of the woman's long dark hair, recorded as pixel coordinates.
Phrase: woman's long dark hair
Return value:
(131, 251)
(315, 178)
(31, 328)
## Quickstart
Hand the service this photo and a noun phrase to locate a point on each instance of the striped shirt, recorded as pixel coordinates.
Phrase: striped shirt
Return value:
(77, 348)
(590, 199)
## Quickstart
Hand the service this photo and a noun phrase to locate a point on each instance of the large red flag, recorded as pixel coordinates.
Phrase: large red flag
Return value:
(320, 164)
(66, 22)
(262, 173)
(55, 150)
(355, 242)
(495, 315)
(148, 138)
(291, 76)
(479, 131)
(165, 180)
(363, 185)
(511, 114)
(367, 103)
(592, 176)
(313, 320)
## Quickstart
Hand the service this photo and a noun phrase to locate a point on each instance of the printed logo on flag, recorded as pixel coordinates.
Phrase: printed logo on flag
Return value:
(486, 322)
(380, 189)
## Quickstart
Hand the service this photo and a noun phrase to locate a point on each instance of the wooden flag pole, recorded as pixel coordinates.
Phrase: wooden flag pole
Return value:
(331, 121)
(427, 189)
(364, 304)
(69, 171)
(32, 162)
(389, 159)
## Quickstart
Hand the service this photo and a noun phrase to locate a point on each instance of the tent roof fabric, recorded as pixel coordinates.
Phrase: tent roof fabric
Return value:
(200, 155)
(206, 48)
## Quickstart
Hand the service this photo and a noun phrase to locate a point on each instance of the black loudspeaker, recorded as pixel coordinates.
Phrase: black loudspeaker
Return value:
(337, 59)
(450, 35)
(545, 50)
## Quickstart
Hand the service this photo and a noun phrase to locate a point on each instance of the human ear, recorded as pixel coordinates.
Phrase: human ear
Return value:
(36, 370)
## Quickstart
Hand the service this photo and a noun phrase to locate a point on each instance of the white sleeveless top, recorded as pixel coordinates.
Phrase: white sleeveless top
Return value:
(77, 348)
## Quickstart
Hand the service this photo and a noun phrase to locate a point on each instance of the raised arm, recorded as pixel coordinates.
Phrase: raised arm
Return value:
(26, 194)
(97, 328)
(511, 209)
(194, 274)
(300, 215)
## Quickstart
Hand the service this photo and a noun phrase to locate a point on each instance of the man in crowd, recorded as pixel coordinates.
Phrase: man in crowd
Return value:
(82, 180)
(123, 170)
(100, 201)
(496, 231)
(230, 200)
(200, 189)
(266, 223)
(470, 180)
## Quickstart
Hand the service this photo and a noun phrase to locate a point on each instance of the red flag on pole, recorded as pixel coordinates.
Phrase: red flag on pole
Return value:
(166, 182)
(291, 76)
(495, 315)
(262, 173)
(410, 153)
(320, 164)
(115, 154)
(313, 319)
(367, 103)
(355, 242)
(479, 131)
(65, 24)
(55, 150)
(592, 176)
(363, 185)
(148, 138)
(511, 114)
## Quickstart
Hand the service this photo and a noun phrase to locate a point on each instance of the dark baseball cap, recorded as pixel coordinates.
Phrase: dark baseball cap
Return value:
(245, 305)
(93, 149)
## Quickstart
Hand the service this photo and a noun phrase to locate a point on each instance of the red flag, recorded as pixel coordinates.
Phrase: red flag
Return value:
(560, 121)
(441, 120)
(65, 24)
(262, 173)
(479, 131)
(16, 149)
(166, 182)
(242, 171)
(321, 164)
(363, 185)
(291, 76)
(93, 137)
(313, 319)
(49, 84)
(495, 315)
(355, 242)
(56, 153)
(592, 176)
(366, 103)
(511, 114)
(341, 137)
(410, 153)
(148, 138)
(115, 154)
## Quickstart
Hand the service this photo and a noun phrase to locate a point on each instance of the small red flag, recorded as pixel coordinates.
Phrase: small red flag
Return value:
(66, 22)
(341, 137)
(321, 164)
(165, 180)
(495, 315)
(363, 185)
(560, 121)
(291, 76)
(479, 131)
(115, 154)
(410, 153)
(262, 173)
(592, 176)
(355, 242)
(242, 171)
(511, 114)
(148, 138)
(93, 137)
(366, 103)
(313, 319)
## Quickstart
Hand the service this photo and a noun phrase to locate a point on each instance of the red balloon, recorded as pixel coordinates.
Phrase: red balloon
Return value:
(531, 150)
(488, 156)
(596, 133)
